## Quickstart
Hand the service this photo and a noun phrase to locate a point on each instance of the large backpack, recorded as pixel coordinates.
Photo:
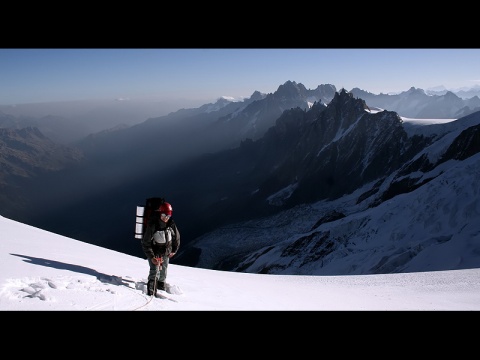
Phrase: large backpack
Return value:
(144, 213)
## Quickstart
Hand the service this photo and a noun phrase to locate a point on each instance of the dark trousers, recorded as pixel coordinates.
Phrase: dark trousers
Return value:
(162, 274)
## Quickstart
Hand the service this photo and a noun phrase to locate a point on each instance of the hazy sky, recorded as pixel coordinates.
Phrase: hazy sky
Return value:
(46, 75)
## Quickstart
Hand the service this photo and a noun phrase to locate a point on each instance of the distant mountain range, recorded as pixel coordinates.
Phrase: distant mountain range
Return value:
(227, 162)
(416, 103)
(70, 122)
(464, 93)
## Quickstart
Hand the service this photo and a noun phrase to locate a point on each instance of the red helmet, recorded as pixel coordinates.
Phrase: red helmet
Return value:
(166, 209)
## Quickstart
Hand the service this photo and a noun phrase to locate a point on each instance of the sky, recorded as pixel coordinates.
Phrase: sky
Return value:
(203, 75)
(44, 271)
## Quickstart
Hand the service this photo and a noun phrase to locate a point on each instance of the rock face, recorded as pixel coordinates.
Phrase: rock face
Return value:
(27, 153)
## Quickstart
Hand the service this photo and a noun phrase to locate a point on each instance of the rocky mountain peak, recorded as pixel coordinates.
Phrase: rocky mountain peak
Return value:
(291, 90)
(257, 95)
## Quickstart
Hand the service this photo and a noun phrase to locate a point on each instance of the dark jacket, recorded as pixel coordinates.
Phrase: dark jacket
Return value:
(170, 231)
